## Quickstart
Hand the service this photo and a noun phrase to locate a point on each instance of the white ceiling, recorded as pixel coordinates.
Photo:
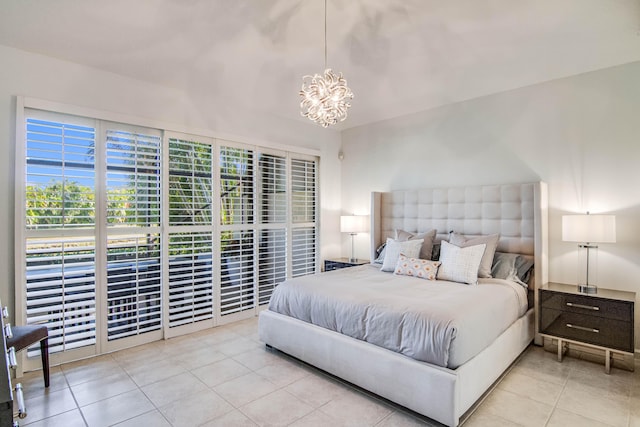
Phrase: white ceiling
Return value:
(399, 56)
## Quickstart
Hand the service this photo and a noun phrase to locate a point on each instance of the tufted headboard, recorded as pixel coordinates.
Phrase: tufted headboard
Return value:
(517, 211)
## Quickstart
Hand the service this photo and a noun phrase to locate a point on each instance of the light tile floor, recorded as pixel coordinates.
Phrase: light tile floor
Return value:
(226, 377)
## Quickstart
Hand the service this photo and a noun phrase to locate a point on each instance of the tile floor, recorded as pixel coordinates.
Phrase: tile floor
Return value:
(226, 377)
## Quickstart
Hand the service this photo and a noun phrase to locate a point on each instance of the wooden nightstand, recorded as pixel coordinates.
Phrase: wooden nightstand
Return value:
(603, 320)
(338, 263)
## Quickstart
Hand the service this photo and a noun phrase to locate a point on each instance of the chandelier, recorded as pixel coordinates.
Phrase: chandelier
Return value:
(325, 98)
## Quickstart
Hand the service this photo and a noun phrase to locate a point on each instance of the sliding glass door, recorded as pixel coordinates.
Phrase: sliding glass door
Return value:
(131, 234)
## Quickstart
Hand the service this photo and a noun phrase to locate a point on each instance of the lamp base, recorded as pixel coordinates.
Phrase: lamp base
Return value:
(587, 289)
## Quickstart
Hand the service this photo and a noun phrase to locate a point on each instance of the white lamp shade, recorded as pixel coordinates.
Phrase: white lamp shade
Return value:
(354, 223)
(589, 228)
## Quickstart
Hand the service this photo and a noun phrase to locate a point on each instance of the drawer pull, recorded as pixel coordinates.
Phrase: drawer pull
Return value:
(22, 410)
(582, 328)
(5, 312)
(7, 331)
(11, 357)
(587, 307)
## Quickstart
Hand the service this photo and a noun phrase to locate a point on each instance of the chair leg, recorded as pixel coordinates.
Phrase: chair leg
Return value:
(44, 353)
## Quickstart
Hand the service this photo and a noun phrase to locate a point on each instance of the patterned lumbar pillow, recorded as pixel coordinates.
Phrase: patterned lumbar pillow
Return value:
(416, 267)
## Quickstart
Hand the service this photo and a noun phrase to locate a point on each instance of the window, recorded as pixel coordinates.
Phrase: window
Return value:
(59, 260)
(190, 247)
(133, 246)
(133, 233)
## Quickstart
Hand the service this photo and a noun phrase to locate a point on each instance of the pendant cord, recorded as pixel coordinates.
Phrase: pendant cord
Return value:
(325, 34)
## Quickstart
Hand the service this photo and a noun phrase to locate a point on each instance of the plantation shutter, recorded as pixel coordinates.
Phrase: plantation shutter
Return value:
(303, 251)
(237, 250)
(61, 291)
(59, 271)
(134, 290)
(272, 246)
(304, 205)
(109, 226)
(272, 262)
(190, 237)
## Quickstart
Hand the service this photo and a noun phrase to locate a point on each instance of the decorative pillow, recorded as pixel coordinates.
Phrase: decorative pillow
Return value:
(380, 254)
(427, 238)
(416, 267)
(509, 266)
(460, 264)
(410, 248)
(490, 240)
(435, 253)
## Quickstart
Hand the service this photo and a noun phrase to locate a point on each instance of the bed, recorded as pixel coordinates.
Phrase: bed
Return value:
(443, 381)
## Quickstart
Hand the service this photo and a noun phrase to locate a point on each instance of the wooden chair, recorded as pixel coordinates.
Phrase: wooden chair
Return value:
(24, 336)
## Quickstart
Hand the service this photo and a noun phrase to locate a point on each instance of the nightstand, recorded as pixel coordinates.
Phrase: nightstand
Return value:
(603, 320)
(338, 263)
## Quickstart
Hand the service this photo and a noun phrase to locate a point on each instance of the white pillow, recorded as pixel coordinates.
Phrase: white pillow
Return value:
(460, 264)
(410, 248)
(490, 240)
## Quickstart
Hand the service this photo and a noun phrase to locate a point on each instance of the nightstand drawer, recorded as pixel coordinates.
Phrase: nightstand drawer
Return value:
(609, 309)
(594, 330)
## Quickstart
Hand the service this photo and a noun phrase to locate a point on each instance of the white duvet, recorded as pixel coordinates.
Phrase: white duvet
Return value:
(439, 322)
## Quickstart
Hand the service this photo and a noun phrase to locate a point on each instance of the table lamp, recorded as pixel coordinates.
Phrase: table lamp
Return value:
(354, 224)
(587, 230)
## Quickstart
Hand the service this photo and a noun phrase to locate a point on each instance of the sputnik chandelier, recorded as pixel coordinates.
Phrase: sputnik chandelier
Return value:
(325, 98)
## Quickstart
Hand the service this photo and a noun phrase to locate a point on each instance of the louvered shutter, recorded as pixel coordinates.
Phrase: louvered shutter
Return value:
(60, 201)
(303, 251)
(272, 245)
(304, 205)
(303, 191)
(236, 186)
(237, 272)
(272, 262)
(60, 190)
(190, 247)
(134, 292)
(60, 289)
(237, 253)
(190, 183)
(133, 179)
(190, 278)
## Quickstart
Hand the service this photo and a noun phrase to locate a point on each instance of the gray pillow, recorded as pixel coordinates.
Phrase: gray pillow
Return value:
(380, 252)
(505, 264)
(490, 240)
(427, 240)
(435, 253)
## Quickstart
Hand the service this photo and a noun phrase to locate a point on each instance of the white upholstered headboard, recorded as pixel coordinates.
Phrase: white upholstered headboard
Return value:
(517, 211)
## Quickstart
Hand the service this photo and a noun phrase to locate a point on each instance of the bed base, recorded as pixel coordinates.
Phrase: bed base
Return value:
(438, 393)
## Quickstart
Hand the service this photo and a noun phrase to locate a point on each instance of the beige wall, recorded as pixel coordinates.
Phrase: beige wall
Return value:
(581, 135)
(46, 78)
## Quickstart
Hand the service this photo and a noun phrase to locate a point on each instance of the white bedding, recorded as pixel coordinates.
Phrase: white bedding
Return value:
(438, 322)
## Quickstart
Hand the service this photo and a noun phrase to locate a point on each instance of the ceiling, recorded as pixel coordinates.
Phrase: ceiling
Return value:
(398, 56)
